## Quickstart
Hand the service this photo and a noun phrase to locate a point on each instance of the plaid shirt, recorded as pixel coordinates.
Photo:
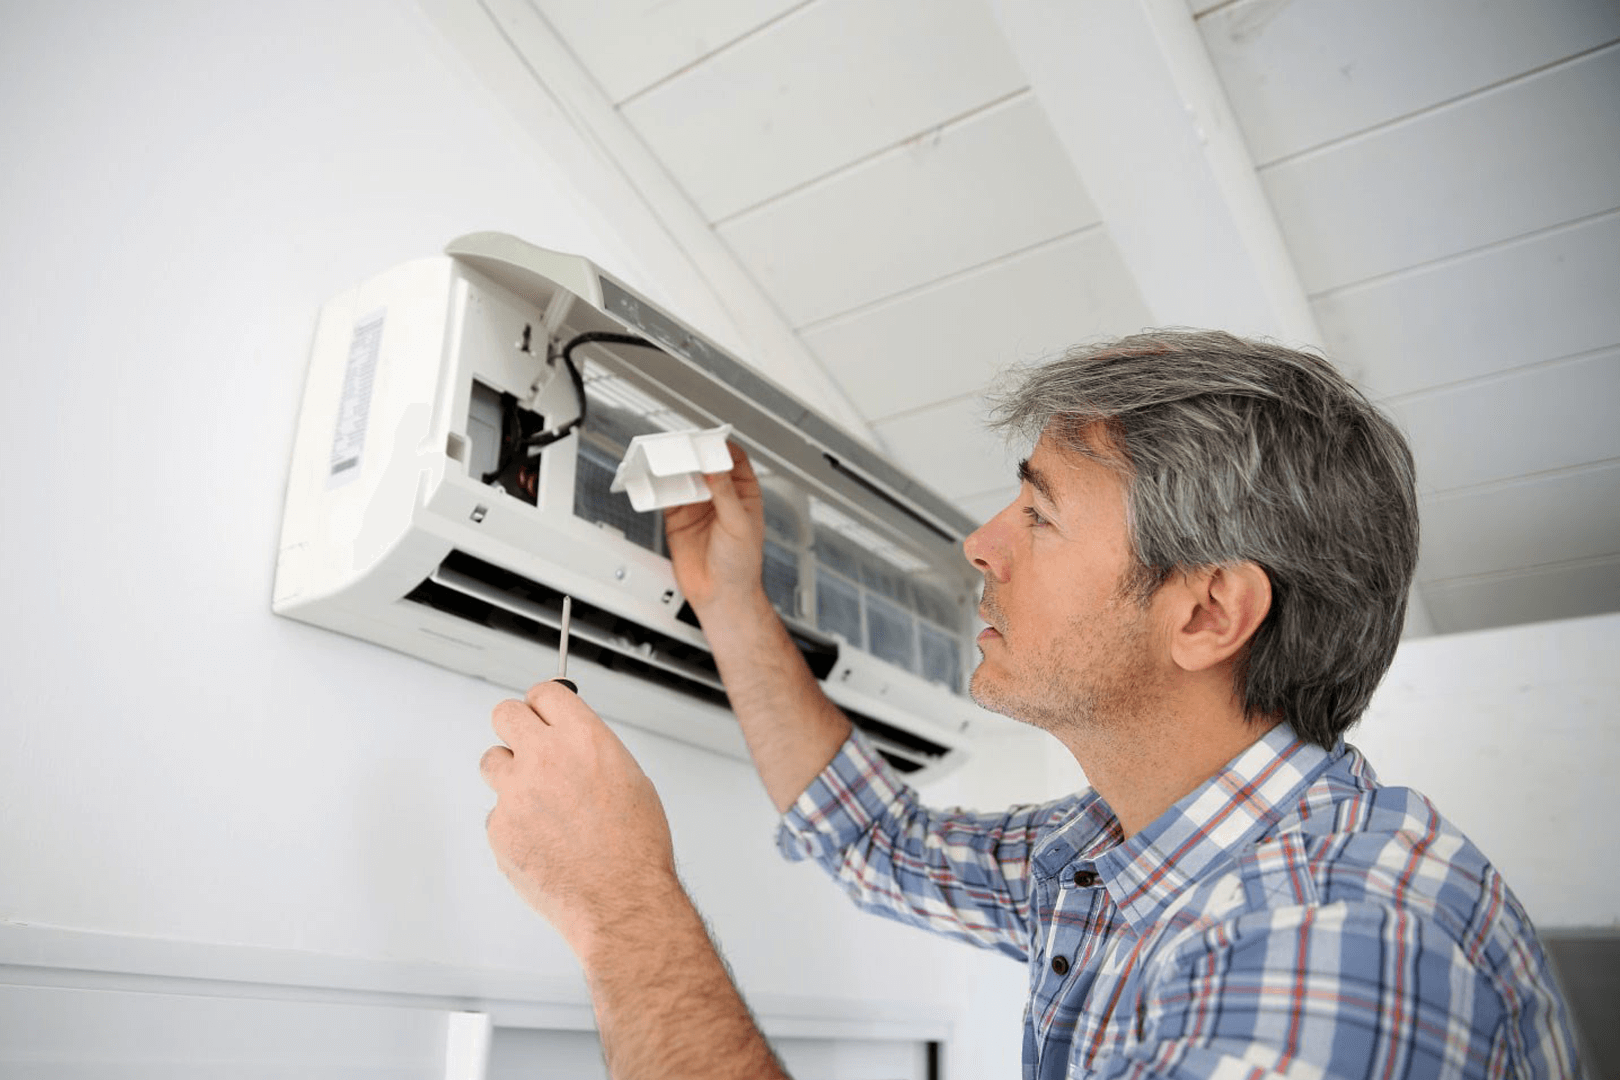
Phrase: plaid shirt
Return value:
(1289, 917)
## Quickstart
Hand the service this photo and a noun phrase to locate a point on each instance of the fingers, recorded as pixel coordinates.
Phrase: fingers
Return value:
(552, 703)
(678, 520)
(728, 490)
(515, 723)
(742, 476)
(741, 467)
(494, 765)
(518, 723)
(723, 498)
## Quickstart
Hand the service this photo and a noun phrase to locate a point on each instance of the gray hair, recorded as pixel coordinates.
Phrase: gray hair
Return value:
(1236, 451)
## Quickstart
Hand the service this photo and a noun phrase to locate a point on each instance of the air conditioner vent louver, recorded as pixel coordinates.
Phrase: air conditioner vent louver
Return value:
(479, 592)
(483, 593)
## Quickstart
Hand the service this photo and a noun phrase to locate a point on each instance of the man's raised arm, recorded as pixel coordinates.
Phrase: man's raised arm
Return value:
(792, 728)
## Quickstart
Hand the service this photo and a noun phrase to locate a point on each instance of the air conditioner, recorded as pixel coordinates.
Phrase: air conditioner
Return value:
(444, 498)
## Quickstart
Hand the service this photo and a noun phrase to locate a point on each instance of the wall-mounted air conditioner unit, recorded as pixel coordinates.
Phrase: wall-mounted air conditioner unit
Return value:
(445, 496)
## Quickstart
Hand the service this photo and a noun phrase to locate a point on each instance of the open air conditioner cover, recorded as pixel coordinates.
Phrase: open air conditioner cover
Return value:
(462, 423)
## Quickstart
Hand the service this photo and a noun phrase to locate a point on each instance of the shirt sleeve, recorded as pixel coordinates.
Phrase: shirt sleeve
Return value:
(1334, 990)
(961, 874)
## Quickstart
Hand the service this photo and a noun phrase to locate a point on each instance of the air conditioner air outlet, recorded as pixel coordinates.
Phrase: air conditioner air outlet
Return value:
(486, 594)
(482, 593)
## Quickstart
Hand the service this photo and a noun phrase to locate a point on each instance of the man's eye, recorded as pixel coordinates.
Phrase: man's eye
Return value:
(1033, 516)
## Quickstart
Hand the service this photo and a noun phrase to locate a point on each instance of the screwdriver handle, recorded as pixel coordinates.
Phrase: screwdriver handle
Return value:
(568, 683)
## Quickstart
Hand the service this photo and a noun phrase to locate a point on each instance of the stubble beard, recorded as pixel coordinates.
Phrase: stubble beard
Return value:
(1093, 679)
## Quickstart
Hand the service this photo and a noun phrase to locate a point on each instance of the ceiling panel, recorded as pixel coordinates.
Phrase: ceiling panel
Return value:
(1531, 420)
(630, 44)
(948, 447)
(914, 214)
(1541, 298)
(1552, 592)
(951, 338)
(836, 81)
(1304, 73)
(1539, 152)
(1552, 519)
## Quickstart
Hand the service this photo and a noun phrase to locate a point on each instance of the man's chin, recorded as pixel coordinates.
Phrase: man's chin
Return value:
(996, 696)
(987, 694)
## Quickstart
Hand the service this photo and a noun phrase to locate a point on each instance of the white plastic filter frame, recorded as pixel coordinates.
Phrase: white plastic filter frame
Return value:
(666, 468)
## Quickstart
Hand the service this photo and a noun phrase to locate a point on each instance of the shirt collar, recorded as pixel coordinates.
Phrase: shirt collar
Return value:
(1208, 826)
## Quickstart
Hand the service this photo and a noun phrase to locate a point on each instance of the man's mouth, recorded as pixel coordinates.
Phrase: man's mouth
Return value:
(988, 617)
(989, 613)
(990, 631)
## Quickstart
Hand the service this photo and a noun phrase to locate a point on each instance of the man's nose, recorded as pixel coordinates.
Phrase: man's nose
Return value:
(986, 548)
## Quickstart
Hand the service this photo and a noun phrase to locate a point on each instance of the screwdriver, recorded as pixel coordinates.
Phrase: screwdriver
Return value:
(562, 646)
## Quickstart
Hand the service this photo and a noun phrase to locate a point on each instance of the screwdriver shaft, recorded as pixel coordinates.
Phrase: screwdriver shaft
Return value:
(562, 645)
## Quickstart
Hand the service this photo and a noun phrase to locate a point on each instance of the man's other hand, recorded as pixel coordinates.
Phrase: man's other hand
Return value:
(718, 547)
(575, 818)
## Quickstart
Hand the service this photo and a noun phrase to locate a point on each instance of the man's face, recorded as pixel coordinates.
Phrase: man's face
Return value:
(1066, 646)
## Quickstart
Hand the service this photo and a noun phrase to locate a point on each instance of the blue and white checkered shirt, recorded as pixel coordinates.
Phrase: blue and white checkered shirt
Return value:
(1289, 917)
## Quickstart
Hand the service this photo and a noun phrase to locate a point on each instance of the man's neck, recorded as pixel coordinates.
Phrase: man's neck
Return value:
(1143, 765)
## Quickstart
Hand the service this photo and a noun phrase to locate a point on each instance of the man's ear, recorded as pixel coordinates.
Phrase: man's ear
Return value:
(1214, 612)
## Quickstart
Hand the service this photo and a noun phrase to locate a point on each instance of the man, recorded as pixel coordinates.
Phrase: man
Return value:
(1199, 586)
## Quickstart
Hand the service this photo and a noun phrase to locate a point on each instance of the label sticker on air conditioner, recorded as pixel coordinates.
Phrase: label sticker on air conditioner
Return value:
(354, 408)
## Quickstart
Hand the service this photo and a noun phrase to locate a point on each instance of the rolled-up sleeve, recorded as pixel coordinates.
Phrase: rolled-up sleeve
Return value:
(958, 873)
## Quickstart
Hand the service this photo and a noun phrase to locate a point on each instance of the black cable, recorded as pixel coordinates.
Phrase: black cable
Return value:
(511, 468)
(546, 438)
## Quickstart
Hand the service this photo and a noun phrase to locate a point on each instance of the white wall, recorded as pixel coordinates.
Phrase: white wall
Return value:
(185, 183)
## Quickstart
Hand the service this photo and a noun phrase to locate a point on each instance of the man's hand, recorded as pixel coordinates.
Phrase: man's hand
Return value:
(575, 817)
(718, 547)
(578, 828)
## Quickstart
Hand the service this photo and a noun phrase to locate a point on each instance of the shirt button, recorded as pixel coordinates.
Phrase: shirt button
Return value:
(1085, 878)
(1060, 964)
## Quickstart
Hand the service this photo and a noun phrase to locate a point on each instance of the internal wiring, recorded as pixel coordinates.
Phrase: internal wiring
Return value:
(518, 450)
(546, 438)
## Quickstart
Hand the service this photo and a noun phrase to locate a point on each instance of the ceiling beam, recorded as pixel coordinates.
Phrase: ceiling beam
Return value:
(1131, 93)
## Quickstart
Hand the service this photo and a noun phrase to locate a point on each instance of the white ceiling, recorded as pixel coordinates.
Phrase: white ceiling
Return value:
(916, 193)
